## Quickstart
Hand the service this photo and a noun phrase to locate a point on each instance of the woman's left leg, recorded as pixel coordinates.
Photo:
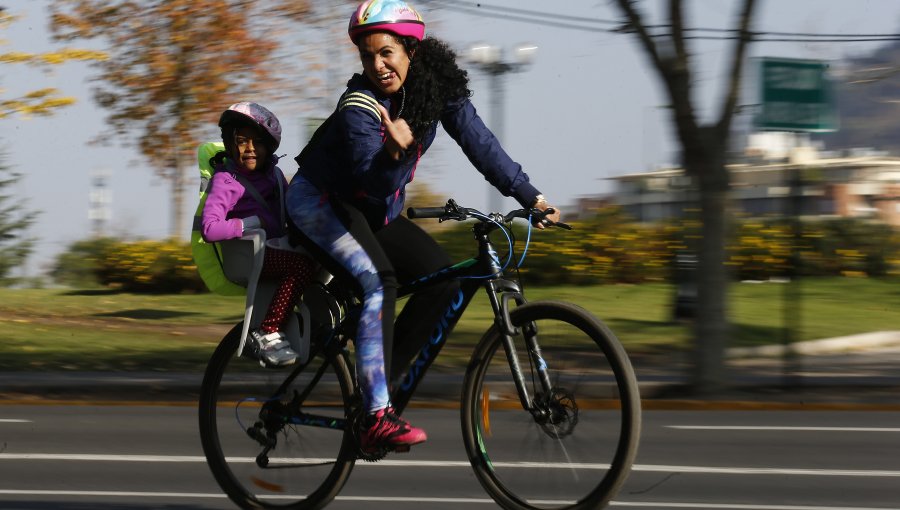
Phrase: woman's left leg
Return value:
(414, 254)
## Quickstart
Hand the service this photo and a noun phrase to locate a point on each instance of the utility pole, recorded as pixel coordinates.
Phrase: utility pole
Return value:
(489, 59)
(99, 198)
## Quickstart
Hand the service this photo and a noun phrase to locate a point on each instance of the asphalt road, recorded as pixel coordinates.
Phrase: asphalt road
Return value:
(79, 457)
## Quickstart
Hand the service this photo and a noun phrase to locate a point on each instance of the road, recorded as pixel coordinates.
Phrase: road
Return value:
(148, 457)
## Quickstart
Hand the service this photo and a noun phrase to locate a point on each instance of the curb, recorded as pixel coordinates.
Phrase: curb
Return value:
(837, 345)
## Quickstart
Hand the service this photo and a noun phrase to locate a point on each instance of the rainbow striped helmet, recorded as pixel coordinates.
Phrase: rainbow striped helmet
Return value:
(394, 16)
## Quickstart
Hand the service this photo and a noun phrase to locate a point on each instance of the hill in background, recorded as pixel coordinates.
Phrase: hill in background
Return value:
(867, 90)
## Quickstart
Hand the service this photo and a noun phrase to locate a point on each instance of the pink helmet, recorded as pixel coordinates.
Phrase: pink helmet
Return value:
(254, 114)
(394, 16)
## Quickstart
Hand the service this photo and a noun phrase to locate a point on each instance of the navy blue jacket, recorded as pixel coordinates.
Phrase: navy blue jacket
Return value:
(347, 158)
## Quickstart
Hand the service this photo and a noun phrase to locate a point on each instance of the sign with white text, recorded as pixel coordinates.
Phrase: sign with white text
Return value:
(796, 95)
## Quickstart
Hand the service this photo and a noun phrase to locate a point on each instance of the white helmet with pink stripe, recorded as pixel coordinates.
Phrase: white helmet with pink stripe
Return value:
(254, 114)
(394, 16)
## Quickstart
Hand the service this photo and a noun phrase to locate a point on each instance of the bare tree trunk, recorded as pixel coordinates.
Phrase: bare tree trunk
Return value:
(703, 153)
(711, 325)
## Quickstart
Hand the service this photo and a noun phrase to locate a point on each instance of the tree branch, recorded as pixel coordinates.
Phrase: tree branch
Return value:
(737, 67)
(677, 34)
(636, 23)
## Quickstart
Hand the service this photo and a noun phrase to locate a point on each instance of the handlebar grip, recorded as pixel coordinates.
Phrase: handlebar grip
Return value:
(425, 212)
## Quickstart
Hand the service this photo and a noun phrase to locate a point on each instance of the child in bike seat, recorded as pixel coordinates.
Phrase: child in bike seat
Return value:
(244, 194)
(345, 200)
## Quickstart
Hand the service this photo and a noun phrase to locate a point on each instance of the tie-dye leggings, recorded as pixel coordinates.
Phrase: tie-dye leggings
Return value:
(376, 257)
(343, 234)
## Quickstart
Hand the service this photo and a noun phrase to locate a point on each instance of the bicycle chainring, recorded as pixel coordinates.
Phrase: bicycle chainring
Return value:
(356, 416)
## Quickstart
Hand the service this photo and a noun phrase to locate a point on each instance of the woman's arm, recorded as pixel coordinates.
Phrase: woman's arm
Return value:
(479, 144)
(372, 163)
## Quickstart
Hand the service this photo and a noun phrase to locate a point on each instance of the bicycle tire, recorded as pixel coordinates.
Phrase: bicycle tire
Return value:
(308, 465)
(524, 465)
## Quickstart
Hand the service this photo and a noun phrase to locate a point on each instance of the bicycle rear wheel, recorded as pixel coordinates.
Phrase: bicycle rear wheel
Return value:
(242, 413)
(576, 449)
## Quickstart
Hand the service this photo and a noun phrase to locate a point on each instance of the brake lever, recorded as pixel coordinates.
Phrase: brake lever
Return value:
(548, 223)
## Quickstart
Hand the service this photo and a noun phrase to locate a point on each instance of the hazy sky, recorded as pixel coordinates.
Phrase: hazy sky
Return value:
(585, 110)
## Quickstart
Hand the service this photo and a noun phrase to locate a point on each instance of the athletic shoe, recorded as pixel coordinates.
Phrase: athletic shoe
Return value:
(385, 429)
(272, 349)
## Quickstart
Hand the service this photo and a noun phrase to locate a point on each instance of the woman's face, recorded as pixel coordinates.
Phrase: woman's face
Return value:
(250, 150)
(384, 60)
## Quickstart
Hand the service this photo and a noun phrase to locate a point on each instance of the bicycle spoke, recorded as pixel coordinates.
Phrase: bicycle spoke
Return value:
(269, 445)
(575, 447)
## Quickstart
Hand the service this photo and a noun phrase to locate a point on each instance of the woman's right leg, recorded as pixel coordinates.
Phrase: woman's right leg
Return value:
(338, 235)
(340, 238)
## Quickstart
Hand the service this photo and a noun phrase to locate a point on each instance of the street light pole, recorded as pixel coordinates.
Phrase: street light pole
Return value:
(489, 59)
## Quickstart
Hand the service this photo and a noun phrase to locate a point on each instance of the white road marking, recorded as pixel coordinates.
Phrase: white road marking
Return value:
(627, 504)
(13, 420)
(727, 506)
(797, 429)
(721, 470)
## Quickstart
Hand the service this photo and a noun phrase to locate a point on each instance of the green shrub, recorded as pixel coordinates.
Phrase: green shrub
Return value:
(607, 247)
(150, 266)
(78, 265)
(135, 266)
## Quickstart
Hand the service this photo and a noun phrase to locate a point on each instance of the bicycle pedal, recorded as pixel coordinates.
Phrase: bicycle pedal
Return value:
(401, 448)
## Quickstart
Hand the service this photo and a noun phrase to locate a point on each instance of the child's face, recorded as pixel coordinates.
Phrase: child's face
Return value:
(250, 149)
(384, 60)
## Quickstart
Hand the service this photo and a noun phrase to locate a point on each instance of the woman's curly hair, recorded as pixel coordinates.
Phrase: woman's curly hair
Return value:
(434, 78)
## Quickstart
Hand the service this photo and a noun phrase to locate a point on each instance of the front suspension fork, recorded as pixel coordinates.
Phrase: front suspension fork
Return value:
(500, 293)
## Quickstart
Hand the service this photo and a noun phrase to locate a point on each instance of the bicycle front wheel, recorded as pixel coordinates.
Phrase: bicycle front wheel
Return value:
(574, 446)
(271, 443)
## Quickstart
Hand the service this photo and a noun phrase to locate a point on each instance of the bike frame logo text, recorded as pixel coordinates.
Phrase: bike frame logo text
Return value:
(437, 337)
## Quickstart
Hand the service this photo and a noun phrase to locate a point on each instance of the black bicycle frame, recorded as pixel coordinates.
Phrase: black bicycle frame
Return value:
(484, 270)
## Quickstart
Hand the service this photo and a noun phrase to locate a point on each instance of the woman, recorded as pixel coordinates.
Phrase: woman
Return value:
(346, 198)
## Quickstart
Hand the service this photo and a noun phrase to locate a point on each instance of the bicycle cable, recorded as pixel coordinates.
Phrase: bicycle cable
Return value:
(527, 243)
(509, 243)
(241, 402)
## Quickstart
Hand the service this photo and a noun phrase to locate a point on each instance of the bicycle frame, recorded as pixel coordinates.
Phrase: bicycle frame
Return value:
(484, 271)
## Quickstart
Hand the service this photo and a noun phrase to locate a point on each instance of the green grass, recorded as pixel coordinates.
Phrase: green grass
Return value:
(88, 330)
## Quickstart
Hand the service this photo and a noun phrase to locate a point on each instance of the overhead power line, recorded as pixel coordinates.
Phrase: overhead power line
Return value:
(598, 25)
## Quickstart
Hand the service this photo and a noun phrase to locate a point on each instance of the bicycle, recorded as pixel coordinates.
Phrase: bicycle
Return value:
(563, 437)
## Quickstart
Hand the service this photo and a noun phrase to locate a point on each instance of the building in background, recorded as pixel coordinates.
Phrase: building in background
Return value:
(860, 183)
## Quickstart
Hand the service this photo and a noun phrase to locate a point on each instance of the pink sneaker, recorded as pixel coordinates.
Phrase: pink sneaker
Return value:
(386, 429)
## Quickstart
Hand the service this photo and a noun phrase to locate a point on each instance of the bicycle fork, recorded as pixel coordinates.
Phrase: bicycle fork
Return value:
(500, 293)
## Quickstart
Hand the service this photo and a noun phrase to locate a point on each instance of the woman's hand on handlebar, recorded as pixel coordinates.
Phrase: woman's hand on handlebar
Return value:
(552, 213)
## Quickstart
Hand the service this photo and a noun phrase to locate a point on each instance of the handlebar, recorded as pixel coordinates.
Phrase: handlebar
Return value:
(452, 211)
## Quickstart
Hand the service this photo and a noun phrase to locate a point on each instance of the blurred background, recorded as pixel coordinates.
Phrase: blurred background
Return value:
(740, 166)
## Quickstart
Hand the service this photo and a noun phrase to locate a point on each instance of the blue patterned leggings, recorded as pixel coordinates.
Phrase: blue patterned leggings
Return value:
(353, 243)
(343, 234)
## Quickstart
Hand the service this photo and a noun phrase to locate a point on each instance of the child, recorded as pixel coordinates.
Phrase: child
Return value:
(243, 195)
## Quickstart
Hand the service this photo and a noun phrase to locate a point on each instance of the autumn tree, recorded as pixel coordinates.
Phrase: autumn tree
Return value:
(174, 66)
(42, 101)
(703, 152)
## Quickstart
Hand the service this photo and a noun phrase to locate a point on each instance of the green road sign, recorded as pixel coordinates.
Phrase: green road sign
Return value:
(796, 95)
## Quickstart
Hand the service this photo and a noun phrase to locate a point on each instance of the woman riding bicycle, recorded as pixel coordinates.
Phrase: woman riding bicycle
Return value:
(346, 198)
